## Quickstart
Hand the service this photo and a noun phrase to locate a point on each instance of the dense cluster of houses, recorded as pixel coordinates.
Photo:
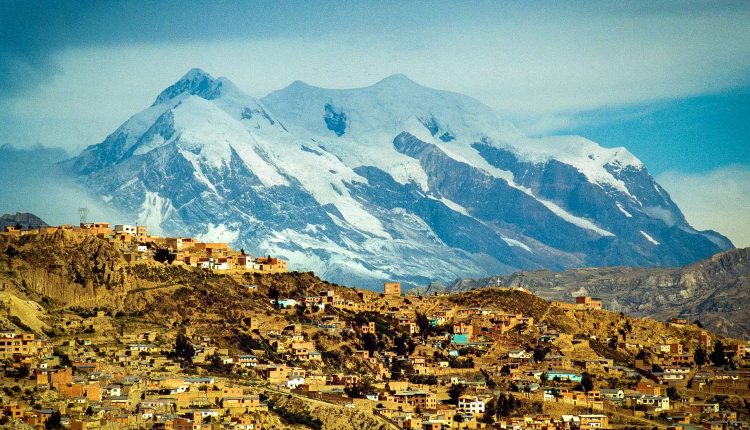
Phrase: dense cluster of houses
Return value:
(455, 365)
(118, 383)
(554, 378)
(137, 245)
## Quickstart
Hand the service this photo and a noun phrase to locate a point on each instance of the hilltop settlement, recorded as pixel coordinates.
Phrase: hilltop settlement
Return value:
(109, 327)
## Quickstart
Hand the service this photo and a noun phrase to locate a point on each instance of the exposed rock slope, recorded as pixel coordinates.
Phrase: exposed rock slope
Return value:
(715, 291)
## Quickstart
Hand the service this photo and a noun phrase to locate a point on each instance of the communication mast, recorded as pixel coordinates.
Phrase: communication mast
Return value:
(83, 213)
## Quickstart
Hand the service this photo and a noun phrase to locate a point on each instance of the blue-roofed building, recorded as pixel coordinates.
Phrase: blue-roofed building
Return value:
(460, 338)
(563, 375)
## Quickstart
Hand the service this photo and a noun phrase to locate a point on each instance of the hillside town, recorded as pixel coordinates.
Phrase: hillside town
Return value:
(277, 355)
(138, 245)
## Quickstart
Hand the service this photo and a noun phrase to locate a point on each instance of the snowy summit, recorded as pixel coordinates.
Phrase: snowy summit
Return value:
(394, 181)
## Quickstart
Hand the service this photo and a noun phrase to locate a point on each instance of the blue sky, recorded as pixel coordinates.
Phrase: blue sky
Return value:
(668, 80)
(698, 148)
(692, 134)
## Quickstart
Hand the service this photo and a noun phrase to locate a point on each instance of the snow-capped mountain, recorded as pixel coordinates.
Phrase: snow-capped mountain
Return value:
(390, 182)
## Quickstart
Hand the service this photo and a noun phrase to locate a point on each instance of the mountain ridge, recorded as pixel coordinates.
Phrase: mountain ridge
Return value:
(21, 220)
(713, 290)
(326, 179)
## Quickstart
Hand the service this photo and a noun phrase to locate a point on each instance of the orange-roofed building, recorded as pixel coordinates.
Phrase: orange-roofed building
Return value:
(270, 264)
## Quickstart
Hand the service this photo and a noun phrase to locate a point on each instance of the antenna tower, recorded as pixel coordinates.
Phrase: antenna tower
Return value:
(83, 213)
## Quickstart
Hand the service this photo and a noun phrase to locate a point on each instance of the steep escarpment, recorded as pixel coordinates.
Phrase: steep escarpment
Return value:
(68, 269)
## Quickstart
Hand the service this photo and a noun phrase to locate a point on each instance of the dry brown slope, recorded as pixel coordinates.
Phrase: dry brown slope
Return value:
(716, 290)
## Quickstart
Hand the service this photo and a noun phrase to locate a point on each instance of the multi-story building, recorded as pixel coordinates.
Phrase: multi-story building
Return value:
(416, 399)
(471, 404)
(587, 302)
(392, 288)
(19, 344)
(597, 421)
(270, 265)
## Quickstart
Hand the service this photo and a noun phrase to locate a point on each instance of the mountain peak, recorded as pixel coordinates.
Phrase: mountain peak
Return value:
(196, 81)
(298, 83)
(395, 81)
(396, 78)
(195, 74)
(398, 81)
(23, 219)
(430, 175)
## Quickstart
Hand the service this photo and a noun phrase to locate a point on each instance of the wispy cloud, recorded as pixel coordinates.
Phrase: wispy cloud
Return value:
(718, 200)
(36, 186)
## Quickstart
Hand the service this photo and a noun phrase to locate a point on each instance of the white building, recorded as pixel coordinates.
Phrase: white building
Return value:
(293, 383)
(612, 393)
(659, 403)
(125, 228)
(471, 404)
(520, 354)
(206, 413)
(221, 264)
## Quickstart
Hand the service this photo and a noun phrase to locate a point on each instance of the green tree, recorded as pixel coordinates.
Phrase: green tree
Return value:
(162, 255)
(718, 355)
(456, 391)
(672, 393)
(700, 356)
(23, 371)
(540, 353)
(424, 324)
(491, 384)
(587, 382)
(183, 349)
(369, 343)
(404, 345)
(397, 367)
(506, 405)
(612, 344)
(64, 358)
(628, 326)
(490, 411)
(217, 364)
(359, 389)
(53, 422)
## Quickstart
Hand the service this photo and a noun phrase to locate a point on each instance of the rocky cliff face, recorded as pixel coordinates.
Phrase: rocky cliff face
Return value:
(390, 182)
(715, 291)
(67, 269)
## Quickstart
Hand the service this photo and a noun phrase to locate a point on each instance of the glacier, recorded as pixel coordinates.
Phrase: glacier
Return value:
(394, 181)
